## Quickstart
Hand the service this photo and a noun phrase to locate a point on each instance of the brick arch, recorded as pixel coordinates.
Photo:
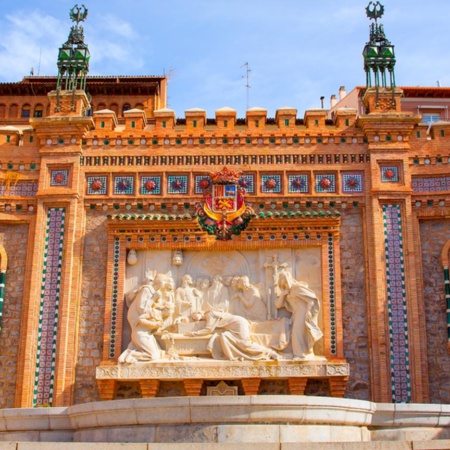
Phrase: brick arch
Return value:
(445, 255)
(2, 111)
(13, 111)
(3, 258)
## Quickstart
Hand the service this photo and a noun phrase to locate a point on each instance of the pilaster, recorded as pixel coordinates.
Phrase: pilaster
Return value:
(53, 289)
(395, 329)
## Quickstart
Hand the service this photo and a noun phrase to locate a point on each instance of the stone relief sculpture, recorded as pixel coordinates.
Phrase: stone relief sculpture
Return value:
(247, 301)
(230, 337)
(188, 299)
(303, 303)
(150, 312)
(225, 318)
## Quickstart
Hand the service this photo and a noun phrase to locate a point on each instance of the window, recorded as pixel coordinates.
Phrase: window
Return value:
(126, 107)
(38, 111)
(431, 118)
(26, 110)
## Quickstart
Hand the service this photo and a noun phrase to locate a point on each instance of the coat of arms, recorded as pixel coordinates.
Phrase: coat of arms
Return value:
(224, 211)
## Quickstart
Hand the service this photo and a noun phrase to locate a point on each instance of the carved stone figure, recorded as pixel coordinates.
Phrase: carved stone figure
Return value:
(144, 321)
(187, 298)
(247, 302)
(303, 303)
(216, 296)
(231, 337)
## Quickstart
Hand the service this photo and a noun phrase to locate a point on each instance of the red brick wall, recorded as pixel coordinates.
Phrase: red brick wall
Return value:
(434, 234)
(14, 239)
(354, 304)
(92, 307)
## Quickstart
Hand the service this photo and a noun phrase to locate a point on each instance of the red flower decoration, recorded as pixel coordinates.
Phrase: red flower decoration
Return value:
(96, 185)
(271, 183)
(150, 185)
(243, 183)
(297, 183)
(59, 178)
(352, 182)
(325, 183)
(177, 184)
(204, 184)
(389, 174)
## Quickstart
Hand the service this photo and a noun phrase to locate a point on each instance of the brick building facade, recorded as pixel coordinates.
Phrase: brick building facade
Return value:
(86, 180)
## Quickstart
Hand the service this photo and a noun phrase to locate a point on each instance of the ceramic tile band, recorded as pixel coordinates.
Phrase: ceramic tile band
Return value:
(24, 189)
(332, 296)
(48, 312)
(114, 298)
(431, 184)
(396, 293)
(447, 297)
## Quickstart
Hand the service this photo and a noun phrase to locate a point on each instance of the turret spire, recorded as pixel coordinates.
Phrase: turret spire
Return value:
(379, 55)
(73, 56)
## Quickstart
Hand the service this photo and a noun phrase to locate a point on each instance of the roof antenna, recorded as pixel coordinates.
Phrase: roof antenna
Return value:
(247, 83)
(39, 65)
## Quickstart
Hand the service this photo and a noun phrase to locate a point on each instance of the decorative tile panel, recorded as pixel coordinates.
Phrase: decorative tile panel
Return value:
(298, 184)
(24, 189)
(97, 185)
(150, 185)
(114, 298)
(332, 296)
(202, 182)
(431, 184)
(326, 183)
(48, 311)
(59, 178)
(390, 174)
(247, 182)
(177, 184)
(123, 185)
(397, 313)
(271, 184)
(352, 183)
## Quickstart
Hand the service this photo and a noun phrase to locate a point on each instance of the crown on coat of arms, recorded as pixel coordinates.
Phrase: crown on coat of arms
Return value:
(225, 176)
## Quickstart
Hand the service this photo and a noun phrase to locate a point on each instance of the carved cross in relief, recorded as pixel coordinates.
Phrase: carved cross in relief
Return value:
(276, 266)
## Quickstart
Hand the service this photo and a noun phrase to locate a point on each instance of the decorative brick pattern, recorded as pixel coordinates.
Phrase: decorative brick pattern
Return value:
(115, 298)
(24, 189)
(271, 184)
(396, 293)
(390, 174)
(326, 183)
(150, 185)
(247, 182)
(123, 185)
(431, 184)
(202, 182)
(332, 294)
(352, 183)
(177, 184)
(298, 184)
(48, 313)
(59, 178)
(97, 185)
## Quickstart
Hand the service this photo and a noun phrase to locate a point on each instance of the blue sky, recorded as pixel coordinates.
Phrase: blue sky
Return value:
(297, 50)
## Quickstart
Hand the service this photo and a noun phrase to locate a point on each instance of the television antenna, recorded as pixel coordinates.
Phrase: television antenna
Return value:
(247, 81)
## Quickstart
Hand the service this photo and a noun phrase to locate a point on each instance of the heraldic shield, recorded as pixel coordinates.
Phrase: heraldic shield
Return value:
(224, 211)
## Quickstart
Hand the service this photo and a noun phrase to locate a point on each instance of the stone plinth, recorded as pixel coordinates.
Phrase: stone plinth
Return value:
(250, 373)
